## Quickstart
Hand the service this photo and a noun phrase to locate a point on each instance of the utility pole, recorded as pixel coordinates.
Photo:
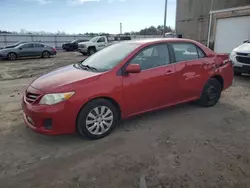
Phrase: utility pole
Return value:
(120, 28)
(165, 18)
(210, 23)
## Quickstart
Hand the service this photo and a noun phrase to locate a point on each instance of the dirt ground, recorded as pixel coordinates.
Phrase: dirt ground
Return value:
(184, 146)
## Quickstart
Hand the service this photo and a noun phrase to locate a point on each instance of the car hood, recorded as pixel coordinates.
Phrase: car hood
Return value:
(10, 47)
(63, 79)
(6, 49)
(244, 48)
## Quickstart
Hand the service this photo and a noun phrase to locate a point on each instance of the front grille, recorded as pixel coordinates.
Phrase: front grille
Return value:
(81, 46)
(245, 60)
(242, 54)
(31, 97)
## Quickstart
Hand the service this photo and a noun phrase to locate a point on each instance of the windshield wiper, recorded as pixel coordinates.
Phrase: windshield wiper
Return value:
(87, 67)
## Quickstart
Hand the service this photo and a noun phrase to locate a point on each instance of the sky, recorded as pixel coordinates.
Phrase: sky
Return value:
(81, 16)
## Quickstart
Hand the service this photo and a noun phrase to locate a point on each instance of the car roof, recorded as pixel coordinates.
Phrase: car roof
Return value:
(158, 40)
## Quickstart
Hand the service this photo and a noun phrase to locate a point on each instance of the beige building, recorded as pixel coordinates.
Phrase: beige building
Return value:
(221, 24)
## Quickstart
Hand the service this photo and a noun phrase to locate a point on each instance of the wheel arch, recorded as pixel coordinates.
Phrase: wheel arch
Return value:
(92, 47)
(12, 53)
(111, 100)
(220, 79)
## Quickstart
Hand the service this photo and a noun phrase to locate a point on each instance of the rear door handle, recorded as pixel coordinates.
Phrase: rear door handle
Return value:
(168, 72)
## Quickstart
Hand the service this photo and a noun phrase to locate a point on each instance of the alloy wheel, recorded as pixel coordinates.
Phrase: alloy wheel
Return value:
(99, 120)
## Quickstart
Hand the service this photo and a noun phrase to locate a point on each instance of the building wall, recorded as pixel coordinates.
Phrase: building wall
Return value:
(192, 16)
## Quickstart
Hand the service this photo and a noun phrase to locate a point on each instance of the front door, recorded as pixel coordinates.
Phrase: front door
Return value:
(26, 50)
(101, 43)
(192, 68)
(154, 86)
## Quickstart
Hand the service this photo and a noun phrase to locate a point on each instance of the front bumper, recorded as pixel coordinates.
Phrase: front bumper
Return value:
(60, 117)
(83, 50)
(243, 69)
(240, 67)
(2, 56)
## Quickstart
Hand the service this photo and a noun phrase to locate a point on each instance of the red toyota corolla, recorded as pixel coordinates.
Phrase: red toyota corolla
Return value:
(124, 80)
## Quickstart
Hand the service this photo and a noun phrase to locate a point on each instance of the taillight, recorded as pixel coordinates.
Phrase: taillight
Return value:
(54, 49)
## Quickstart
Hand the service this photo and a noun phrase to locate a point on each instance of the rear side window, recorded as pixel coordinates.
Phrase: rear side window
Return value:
(38, 45)
(201, 53)
(187, 51)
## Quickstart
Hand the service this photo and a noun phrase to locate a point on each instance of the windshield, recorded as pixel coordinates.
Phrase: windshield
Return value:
(94, 39)
(109, 57)
(74, 41)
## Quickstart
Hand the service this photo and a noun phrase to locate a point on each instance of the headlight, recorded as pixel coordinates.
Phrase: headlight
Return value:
(233, 53)
(54, 98)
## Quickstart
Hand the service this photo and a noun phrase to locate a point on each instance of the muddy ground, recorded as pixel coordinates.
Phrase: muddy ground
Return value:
(183, 146)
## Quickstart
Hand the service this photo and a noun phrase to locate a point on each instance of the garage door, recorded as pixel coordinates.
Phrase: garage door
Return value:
(230, 33)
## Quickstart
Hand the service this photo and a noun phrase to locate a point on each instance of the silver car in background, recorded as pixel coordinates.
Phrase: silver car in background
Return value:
(28, 49)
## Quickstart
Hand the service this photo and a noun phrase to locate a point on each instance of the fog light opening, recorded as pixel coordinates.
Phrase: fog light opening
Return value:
(48, 124)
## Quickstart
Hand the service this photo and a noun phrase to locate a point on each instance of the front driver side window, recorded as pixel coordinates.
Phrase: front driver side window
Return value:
(152, 57)
(101, 39)
(27, 46)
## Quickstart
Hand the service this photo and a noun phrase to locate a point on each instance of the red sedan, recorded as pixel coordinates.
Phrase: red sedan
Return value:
(124, 80)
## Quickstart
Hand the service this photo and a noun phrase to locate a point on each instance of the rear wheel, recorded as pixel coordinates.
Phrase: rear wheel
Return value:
(45, 54)
(211, 93)
(12, 56)
(97, 119)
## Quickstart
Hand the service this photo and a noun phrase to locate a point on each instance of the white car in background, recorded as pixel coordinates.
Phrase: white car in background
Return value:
(93, 45)
(240, 57)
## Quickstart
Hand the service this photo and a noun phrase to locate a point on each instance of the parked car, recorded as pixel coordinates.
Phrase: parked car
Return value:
(240, 57)
(98, 43)
(93, 45)
(16, 44)
(122, 37)
(170, 35)
(27, 50)
(73, 45)
(123, 80)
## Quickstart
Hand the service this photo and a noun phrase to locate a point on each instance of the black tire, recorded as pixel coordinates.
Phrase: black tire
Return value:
(211, 93)
(12, 56)
(45, 54)
(91, 50)
(81, 125)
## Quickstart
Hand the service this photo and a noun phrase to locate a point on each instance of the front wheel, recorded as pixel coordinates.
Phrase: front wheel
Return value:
(211, 93)
(91, 51)
(97, 119)
(12, 56)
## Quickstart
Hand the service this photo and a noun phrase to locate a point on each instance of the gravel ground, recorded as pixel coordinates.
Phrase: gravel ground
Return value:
(183, 146)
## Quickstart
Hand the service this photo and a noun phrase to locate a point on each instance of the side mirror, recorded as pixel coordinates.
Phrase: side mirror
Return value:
(133, 68)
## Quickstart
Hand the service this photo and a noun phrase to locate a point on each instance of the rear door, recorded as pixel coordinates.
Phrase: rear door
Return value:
(192, 67)
(38, 49)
